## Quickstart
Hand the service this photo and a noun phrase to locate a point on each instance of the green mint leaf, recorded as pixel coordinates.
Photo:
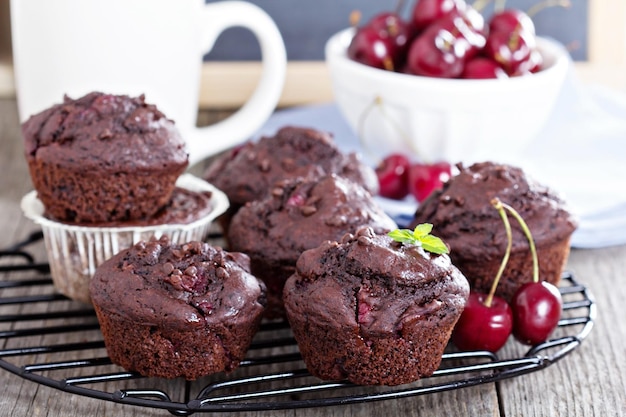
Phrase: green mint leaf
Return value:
(402, 236)
(420, 237)
(422, 230)
(434, 244)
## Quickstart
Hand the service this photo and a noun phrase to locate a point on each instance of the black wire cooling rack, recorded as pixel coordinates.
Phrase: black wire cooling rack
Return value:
(53, 341)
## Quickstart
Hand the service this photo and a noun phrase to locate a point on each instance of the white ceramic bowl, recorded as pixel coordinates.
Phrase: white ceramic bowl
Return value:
(74, 252)
(444, 119)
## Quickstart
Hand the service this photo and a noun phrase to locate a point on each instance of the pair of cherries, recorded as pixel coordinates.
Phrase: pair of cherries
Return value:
(448, 39)
(531, 315)
(398, 177)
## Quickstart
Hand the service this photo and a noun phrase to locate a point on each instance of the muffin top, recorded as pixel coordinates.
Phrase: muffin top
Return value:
(369, 280)
(465, 218)
(110, 132)
(301, 213)
(178, 286)
(248, 172)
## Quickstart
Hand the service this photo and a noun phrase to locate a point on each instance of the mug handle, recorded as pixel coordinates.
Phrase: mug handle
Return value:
(206, 141)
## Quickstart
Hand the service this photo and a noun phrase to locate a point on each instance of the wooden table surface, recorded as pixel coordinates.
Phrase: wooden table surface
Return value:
(590, 381)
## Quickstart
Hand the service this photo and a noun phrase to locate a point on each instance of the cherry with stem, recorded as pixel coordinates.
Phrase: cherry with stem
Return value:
(537, 304)
(487, 320)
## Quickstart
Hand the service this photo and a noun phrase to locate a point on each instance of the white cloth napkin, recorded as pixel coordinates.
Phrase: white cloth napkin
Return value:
(581, 153)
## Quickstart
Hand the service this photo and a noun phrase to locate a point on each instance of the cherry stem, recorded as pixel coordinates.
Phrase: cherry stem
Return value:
(529, 237)
(478, 5)
(505, 259)
(388, 62)
(546, 4)
(499, 5)
(399, 6)
(355, 18)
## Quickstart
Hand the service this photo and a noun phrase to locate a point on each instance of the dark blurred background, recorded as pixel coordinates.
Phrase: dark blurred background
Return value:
(306, 25)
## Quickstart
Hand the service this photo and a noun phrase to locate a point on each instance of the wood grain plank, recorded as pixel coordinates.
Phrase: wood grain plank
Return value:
(591, 380)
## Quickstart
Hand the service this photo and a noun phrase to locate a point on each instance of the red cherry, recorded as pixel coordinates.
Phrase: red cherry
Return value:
(296, 200)
(440, 51)
(364, 309)
(426, 12)
(370, 48)
(481, 327)
(536, 311)
(510, 21)
(393, 176)
(483, 68)
(425, 178)
(399, 33)
(466, 28)
(388, 23)
(425, 58)
(510, 50)
(237, 149)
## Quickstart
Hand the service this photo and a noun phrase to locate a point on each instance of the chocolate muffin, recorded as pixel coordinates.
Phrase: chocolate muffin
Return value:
(373, 311)
(103, 158)
(247, 173)
(184, 310)
(300, 214)
(463, 216)
(76, 250)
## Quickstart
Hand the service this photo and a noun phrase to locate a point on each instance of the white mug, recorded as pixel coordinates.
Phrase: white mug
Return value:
(134, 47)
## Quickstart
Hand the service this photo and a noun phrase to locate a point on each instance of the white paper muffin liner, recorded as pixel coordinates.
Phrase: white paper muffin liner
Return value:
(74, 252)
